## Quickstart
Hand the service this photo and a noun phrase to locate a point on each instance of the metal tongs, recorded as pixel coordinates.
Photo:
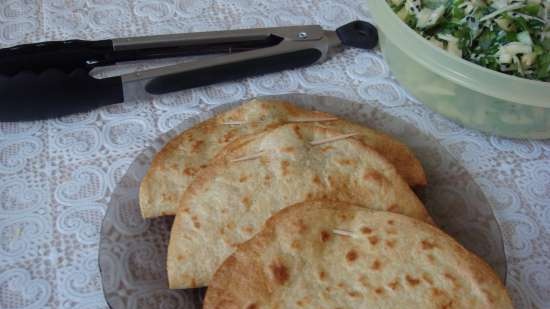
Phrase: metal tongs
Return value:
(51, 79)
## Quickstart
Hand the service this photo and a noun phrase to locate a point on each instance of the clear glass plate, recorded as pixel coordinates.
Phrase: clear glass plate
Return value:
(132, 251)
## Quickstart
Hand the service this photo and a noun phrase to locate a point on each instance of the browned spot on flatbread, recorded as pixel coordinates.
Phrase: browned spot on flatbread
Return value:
(376, 265)
(379, 291)
(437, 292)
(302, 227)
(284, 167)
(229, 136)
(305, 301)
(391, 231)
(346, 162)
(393, 208)
(345, 216)
(189, 137)
(252, 306)
(280, 272)
(326, 149)
(195, 147)
(391, 243)
(196, 222)
(366, 230)
(427, 245)
(189, 171)
(354, 294)
(180, 258)
(325, 236)
(412, 280)
(453, 280)
(246, 202)
(207, 129)
(243, 178)
(480, 277)
(288, 149)
(169, 197)
(373, 240)
(267, 179)
(249, 229)
(317, 179)
(373, 176)
(322, 275)
(351, 255)
(395, 284)
(296, 130)
(296, 244)
(391, 222)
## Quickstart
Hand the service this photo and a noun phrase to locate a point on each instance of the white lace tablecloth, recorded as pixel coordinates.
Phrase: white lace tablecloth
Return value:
(56, 176)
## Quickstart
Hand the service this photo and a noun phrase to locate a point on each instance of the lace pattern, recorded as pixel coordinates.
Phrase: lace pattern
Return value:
(57, 176)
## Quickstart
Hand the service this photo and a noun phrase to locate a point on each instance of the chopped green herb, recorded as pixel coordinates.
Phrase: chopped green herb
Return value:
(510, 36)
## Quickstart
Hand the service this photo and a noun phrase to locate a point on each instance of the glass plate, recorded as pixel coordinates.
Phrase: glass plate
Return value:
(132, 251)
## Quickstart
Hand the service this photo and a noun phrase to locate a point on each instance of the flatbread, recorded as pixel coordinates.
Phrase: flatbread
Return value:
(230, 199)
(175, 166)
(334, 255)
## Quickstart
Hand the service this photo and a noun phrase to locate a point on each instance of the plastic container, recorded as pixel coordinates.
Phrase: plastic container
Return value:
(465, 92)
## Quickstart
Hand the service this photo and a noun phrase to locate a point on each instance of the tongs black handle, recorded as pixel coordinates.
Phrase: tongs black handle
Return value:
(51, 79)
(53, 93)
(359, 34)
(65, 56)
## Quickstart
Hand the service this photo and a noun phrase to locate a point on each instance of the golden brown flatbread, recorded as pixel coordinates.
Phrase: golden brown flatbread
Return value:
(229, 200)
(334, 255)
(175, 166)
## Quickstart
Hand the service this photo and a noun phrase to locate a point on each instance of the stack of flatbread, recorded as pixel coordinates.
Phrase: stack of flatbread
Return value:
(281, 207)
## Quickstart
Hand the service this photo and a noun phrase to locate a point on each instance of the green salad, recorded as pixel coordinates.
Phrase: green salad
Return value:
(510, 36)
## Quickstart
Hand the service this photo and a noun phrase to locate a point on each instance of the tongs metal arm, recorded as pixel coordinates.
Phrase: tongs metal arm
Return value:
(298, 46)
(226, 37)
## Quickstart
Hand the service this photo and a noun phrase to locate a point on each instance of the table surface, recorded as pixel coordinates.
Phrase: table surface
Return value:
(56, 176)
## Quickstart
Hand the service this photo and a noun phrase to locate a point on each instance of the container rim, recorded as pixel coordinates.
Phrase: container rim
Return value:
(470, 75)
